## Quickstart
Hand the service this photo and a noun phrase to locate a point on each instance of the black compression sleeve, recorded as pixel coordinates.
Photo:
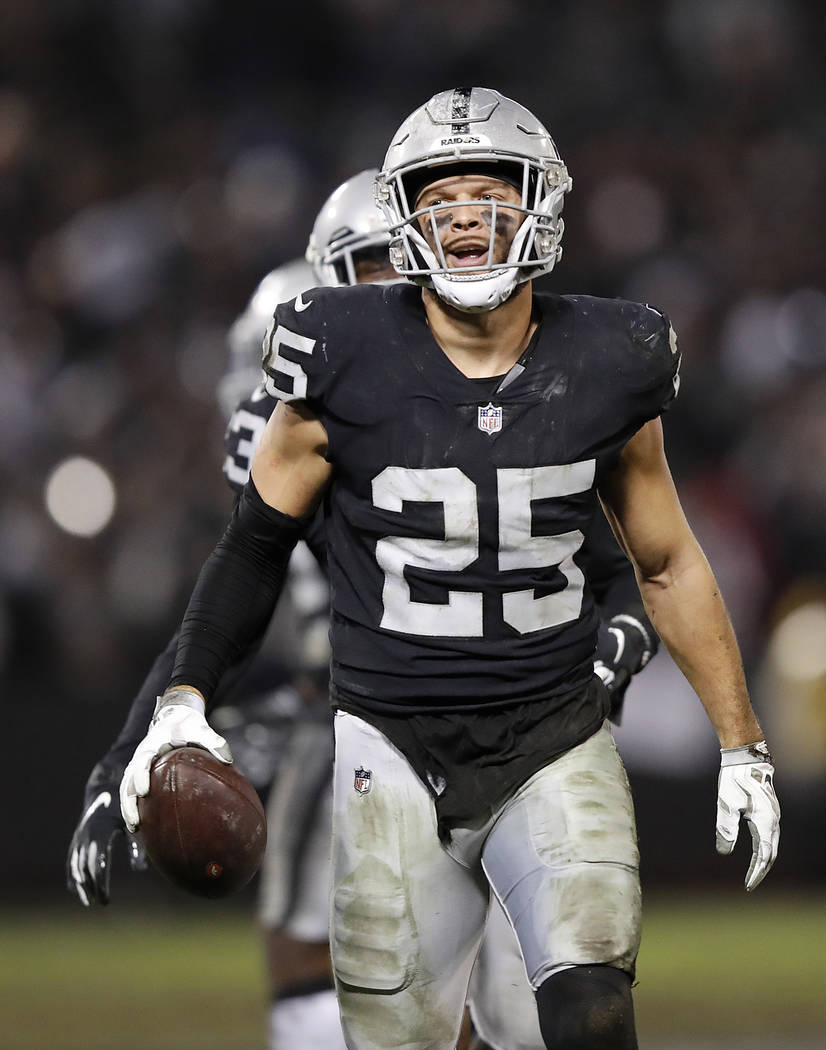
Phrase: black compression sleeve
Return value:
(236, 592)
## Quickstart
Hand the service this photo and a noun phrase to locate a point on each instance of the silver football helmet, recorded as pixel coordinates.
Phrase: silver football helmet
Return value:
(348, 224)
(247, 332)
(473, 131)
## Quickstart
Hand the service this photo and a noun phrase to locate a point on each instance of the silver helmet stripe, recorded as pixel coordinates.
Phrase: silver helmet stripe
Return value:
(460, 110)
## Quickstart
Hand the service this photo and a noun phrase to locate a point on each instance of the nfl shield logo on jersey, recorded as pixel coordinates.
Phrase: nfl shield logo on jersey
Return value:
(363, 780)
(490, 418)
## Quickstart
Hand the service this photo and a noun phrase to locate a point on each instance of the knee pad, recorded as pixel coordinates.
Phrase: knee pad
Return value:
(587, 1008)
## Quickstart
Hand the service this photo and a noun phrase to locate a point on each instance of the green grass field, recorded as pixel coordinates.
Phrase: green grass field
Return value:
(744, 972)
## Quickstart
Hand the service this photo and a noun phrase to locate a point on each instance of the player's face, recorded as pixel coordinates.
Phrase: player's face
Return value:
(373, 264)
(464, 229)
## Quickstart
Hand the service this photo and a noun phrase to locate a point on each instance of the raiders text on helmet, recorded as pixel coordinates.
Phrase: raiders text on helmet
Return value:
(473, 131)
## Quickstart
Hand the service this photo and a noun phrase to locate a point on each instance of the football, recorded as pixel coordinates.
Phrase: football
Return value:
(202, 823)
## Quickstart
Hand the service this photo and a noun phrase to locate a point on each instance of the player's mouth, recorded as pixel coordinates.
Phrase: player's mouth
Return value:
(470, 255)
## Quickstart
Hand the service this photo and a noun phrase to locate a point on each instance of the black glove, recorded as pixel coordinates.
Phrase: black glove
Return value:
(624, 646)
(89, 861)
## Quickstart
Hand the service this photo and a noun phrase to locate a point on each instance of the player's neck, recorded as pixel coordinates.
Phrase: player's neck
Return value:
(487, 343)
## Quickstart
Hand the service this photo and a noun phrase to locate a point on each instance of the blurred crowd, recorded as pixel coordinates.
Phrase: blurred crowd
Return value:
(157, 157)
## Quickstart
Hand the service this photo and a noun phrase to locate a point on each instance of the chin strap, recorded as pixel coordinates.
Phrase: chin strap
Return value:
(475, 292)
(478, 292)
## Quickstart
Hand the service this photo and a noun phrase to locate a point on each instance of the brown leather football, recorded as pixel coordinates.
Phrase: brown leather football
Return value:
(202, 823)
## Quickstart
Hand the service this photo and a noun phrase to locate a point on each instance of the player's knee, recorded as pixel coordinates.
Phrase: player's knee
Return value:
(587, 1008)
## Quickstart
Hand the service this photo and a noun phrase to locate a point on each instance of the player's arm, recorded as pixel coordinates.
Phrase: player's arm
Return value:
(89, 859)
(237, 589)
(626, 639)
(687, 610)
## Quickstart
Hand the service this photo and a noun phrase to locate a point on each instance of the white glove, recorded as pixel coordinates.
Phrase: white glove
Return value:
(746, 788)
(178, 721)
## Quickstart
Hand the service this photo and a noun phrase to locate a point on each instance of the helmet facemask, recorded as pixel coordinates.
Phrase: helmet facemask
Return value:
(336, 265)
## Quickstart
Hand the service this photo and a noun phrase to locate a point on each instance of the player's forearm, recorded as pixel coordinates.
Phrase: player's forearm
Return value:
(236, 593)
(688, 613)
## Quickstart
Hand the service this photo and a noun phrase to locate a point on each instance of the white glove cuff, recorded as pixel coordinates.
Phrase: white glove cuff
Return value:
(741, 756)
(179, 697)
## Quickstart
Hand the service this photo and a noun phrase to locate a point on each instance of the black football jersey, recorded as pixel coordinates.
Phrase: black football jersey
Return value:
(244, 430)
(457, 511)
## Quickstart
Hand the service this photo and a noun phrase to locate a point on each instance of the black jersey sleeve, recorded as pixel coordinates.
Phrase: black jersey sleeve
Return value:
(651, 363)
(299, 349)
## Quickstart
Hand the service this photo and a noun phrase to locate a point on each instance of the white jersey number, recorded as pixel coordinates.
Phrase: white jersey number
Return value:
(273, 341)
(237, 464)
(462, 614)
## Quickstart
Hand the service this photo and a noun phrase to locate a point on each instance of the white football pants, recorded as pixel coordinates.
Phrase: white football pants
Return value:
(407, 916)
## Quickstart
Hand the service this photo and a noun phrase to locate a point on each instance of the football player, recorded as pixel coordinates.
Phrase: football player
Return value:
(348, 245)
(460, 438)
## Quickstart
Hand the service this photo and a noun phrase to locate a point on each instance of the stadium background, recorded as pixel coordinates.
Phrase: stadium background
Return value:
(156, 159)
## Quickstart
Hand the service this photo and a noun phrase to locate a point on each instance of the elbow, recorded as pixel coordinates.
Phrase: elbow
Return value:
(672, 567)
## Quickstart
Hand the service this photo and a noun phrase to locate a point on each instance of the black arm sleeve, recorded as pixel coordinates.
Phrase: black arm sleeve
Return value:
(236, 592)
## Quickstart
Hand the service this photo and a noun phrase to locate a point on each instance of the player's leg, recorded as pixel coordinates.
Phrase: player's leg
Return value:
(294, 895)
(563, 859)
(500, 999)
(406, 917)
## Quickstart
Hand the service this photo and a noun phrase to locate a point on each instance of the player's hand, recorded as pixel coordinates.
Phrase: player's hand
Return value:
(178, 722)
(89, 862)
(624, 646)
(746, 789)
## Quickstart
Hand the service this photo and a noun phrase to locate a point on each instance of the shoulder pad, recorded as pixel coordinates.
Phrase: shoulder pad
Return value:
(310, 337)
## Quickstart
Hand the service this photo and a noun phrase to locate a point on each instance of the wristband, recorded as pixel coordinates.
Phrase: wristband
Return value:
(740, 756)
(180, 697)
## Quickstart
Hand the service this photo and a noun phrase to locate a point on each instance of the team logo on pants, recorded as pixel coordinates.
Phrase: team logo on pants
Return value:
(490, 418)
(362, 781)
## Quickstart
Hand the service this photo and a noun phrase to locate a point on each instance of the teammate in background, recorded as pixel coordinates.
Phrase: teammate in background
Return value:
(348, 244)
(461, 438)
